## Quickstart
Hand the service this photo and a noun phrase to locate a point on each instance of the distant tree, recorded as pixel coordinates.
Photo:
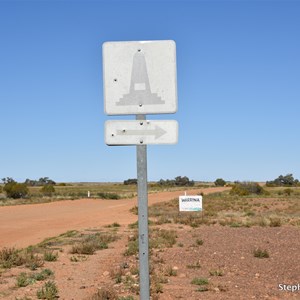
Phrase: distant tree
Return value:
(41, 182)
(178, 181)
(48, 190)
(220, 182)
(183, 181)
(130, 181)
(15, 190)
(7, 180)
(45, 181)
(287, 180)
(1, 189)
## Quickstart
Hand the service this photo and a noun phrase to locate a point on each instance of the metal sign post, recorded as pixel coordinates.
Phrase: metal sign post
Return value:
(140, 79)
(141, 151)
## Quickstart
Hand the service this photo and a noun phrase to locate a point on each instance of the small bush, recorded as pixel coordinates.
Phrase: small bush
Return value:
(199, 242)
(199, 281)
(92, 243)
(105, 294)
(169, 271)
(114, 225)
(216, 273)
(112, 196)
(246, 188)
(83, 248)
(194, 266)
(275, 222)
(44, 274)
(259, 253)
(288, 191)
(49, 291)
(16, 190)
(33, 261)
(132, 248)
(50, 256)
(10, 257)
(23, 280)
(202, 289)
(48, 190)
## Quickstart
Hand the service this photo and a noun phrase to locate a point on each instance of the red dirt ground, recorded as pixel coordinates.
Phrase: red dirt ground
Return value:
(224, 249)
(24, 225)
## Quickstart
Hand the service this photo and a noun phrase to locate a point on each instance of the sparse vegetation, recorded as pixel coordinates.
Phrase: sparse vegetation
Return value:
(112, 196)
(113, 225)
(107, 293)
(194, 266)
(93, 242)
(48, 291)
(259, 253)
(11, 257)
(246, 188)
(199, 242)
(48, 190)
(216, 272)
(199, 281)
(50, 255)
(24, 279)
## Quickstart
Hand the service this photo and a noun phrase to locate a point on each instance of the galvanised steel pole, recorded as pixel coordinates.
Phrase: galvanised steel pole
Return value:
(143, 216)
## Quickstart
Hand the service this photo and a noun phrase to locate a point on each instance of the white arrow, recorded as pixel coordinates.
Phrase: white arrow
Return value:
(157, 132)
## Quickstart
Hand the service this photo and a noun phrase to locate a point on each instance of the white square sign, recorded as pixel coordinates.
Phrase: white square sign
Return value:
(139, 77)
(190, 203)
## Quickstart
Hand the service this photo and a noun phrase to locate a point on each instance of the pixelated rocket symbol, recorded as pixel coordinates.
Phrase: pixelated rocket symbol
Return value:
(140, 92)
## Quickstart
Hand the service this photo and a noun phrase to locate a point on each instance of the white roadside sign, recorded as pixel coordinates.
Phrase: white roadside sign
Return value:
(142, 132)
(190, 203)
(139, 77)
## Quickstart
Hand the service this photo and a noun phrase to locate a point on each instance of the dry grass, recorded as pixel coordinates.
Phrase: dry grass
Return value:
(275, 209)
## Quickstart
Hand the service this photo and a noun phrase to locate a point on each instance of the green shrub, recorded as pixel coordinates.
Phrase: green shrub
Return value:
(259, 253)
(246, 188)
(10, 257)
(199, 281)
(44, 274)
(105, 293)
(23, 280)
(16, 190)
(48, 190)
(92, 243)
(275, 222)
(220, 182)
(50, 256)
(49, 291)
(288, 191)
(112, 196)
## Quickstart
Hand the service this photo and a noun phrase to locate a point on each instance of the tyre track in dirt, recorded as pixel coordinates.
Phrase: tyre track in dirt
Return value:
(24, 225)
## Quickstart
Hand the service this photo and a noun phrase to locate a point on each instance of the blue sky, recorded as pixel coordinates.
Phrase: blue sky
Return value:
(238, 71)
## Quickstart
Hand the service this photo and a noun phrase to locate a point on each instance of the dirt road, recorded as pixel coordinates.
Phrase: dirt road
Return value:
(24, 225)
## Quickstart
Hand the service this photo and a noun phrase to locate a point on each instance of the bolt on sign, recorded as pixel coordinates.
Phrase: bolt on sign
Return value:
(139, 79)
